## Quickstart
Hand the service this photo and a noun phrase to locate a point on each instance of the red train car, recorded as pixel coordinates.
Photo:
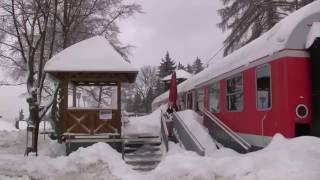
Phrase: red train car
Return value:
(271, 85)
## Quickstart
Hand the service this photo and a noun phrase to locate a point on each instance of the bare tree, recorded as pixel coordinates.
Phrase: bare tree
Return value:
(31, 31)
(145, 84)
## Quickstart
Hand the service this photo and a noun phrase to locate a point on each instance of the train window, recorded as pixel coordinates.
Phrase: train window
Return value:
(214, 97)
(263, 86)
(200, 98)
(235, 93)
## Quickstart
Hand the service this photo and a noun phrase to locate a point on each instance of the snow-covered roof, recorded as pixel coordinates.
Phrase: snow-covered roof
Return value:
(91, 55)
(289, 33)
(313, 34)
(180, 74)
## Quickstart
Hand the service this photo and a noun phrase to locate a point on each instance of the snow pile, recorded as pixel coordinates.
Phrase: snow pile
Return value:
(295, 159)
(6, 126)
(99, 161)
(14, 142)
(192, 120)
(144, 125)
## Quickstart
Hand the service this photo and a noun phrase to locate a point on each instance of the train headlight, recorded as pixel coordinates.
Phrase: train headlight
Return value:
(302, 111)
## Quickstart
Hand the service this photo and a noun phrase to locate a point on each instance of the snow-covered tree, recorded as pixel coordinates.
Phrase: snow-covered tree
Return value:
(189, 69)
(145, 85)
(181, 66)
(197, 66)
(167, 65)
(247, 19)
(31, 31)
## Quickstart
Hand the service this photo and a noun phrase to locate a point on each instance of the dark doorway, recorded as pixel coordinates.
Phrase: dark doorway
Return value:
(302, 129)
(314, 51)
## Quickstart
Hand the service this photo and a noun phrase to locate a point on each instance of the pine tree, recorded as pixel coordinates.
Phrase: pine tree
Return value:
(189, 69)
(167, 65)
(247, 19)
(181, 66)
(197, 66)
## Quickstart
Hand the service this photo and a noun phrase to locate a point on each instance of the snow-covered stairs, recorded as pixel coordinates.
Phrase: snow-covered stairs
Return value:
(143, 153)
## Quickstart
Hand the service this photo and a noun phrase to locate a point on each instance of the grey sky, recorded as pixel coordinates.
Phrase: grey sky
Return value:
(186, 28)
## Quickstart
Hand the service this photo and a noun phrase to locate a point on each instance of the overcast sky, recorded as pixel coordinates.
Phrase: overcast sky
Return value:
(185, 28)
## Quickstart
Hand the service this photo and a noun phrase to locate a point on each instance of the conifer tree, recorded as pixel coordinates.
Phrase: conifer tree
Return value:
(189, 69)
(197, 66)
(248, 19)
(167, 65)
(181, 66)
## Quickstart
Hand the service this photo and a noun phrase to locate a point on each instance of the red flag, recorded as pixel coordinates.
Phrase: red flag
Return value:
(173, 95)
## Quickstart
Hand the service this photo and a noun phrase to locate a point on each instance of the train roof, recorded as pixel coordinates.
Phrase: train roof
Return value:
(290, 33)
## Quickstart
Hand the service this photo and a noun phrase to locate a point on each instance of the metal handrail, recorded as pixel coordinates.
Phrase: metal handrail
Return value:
(226, 129)
(164, 132)
(200, 149)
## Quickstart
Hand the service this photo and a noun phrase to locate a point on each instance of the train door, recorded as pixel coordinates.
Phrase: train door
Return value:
(199, 99)
(314, 51)
(189, 100)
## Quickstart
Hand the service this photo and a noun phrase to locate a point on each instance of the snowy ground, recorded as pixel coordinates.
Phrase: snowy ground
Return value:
(294, 159)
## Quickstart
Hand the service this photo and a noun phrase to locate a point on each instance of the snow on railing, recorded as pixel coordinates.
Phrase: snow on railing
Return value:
(164, 131)
(244, 144)
(185, 136)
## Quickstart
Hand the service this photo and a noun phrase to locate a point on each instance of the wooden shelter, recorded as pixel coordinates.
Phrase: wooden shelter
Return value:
(90, 69)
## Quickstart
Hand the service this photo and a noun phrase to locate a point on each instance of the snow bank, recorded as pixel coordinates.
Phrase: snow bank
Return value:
(291, 159)
(14, 142)
(294, 159)
(99, 161)
(148, 125)
(6, 126)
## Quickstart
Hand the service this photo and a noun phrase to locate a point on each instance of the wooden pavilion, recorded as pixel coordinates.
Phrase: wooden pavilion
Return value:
(91, 69)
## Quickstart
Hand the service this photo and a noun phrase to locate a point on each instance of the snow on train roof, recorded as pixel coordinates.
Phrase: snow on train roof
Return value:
(289, 33)
(180, 74)
(91, 55)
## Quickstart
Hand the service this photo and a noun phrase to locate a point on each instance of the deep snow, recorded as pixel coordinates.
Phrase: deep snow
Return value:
(292, 159)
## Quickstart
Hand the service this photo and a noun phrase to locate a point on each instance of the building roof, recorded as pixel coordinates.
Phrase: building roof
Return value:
(91, 55)
(180, 74)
